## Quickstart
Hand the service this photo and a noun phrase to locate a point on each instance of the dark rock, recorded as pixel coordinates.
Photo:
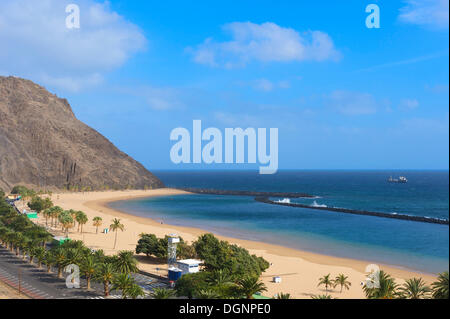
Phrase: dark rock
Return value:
(43, 145)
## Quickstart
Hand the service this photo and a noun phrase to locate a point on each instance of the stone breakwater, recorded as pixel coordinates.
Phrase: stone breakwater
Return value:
(267, 200)
(264, 197)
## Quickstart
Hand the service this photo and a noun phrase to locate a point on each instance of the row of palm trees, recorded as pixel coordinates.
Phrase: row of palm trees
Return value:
(28, 242)
(340, 280)
(114, 272)
(413, 288)
(68, 219)
(220, 284)
(387, 288)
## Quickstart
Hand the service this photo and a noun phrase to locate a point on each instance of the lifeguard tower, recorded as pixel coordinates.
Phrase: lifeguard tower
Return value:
(173, 272)
(172, 250)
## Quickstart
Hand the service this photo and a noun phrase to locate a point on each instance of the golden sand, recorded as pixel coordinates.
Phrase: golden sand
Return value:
(299, 270)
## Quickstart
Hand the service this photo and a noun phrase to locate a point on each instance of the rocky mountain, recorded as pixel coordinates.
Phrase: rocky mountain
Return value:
(43, 144)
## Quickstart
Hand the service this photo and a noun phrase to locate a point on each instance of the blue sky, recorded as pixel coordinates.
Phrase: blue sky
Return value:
(343, 96)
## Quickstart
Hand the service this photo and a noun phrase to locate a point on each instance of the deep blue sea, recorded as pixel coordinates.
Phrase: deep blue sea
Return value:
(407, 244)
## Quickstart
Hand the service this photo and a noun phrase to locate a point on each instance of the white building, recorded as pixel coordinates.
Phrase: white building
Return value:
(189, 266)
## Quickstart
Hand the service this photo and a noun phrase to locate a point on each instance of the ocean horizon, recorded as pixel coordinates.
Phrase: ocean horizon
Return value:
(406, 244)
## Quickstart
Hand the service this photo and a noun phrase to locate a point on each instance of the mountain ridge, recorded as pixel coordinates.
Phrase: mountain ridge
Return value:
(43, 144)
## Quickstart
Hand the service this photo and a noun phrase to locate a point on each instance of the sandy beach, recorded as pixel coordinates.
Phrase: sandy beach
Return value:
(299, 270)
(6, 292)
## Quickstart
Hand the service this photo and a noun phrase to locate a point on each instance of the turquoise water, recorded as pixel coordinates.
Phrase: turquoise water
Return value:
(412, 245)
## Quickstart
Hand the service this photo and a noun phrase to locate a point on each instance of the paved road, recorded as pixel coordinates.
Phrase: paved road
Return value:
(38, 284)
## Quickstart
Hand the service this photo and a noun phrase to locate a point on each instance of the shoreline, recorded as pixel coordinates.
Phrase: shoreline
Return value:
(290, 263)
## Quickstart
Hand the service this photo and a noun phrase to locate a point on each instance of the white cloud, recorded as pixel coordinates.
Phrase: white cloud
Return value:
(429, 13)
(265, 42)
(409, 104)
(352, 103)
(37, 44)
(73, 83)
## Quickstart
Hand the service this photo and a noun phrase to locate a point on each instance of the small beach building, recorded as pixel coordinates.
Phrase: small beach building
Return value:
(32, 215)
(175, 273)
(189, 266)
(59, 240)
(13, 198)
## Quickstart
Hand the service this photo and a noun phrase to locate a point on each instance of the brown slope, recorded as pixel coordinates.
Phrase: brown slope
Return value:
(43, 144)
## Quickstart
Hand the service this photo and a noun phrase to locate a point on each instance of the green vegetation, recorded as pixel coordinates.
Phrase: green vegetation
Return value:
(385, 288)
(161, 293)
(39, 204)
(228, 271)
(440, 287)
(23, 191)
(97, 222)
(342, 281)
(326, 281)
(220, 255)
(115, 227)
(81, 219)
(414, 288)
(283, 296)
(150, 245)
(23, 237)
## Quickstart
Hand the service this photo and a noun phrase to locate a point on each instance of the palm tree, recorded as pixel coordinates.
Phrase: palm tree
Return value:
(55, 211)
(59, 257)
(161, 293)
(49, 261)
(44, 237)
(386, 288)
(250, 286)
(123, 282)
(283, 296)
(342, 281)
(89, 267)
(40, 255)
(135, 291)
(47, 214)
(321, 297)
(31, 248)
(125, 262)
(326, 281)
(73, 213)
(105, 274)
(440, 287)
(219, 277)
(18, 241)
(414, 288)
(97, 222)
(82, 219)
(66, 220)
(206, 294)
(116, 226)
